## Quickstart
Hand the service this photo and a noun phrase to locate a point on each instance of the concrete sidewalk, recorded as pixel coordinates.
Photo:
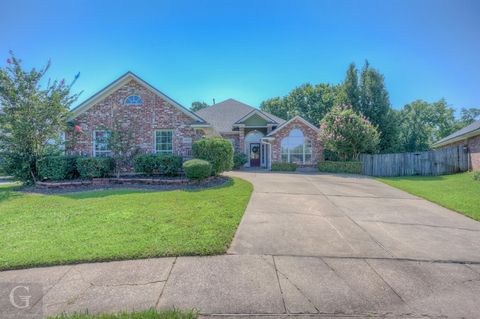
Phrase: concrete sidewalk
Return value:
(274, 285)
(309, 245)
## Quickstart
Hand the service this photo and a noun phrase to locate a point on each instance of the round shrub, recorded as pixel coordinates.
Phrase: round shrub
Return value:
(93, 167)
(197, 169)
(217, 151)
(57, 167)
(239, 159)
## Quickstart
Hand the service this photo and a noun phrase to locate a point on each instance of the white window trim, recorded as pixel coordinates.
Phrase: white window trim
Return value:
(305, 139)
(94, 144)
(155, 141)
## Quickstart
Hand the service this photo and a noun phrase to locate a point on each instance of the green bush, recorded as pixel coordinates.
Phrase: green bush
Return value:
(340, 167)
(166, 164)
(476, 175)
(57, 167)
(239, 159)
(217, 151)
(279, 166)
(197, 169)
(92, 167)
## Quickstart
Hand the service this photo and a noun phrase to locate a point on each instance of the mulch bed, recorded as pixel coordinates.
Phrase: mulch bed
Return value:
(153, 184)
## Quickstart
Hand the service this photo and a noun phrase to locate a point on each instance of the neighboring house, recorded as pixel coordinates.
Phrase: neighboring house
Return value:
(158, 124)
(468, 137)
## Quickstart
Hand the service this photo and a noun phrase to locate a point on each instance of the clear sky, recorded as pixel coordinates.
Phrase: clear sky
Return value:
(252, 50)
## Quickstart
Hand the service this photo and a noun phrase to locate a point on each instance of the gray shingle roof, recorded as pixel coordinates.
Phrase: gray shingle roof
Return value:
(469, 130)
(223, 115)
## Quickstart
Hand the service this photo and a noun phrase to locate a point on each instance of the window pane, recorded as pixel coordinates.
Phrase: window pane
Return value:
(164, 142)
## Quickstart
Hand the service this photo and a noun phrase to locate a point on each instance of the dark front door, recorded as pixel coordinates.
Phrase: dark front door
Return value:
(254, 154)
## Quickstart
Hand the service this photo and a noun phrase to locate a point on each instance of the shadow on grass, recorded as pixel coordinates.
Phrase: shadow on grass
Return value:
(135, 189)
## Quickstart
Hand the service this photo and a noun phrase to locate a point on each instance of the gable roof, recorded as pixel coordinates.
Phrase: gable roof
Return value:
(466, 132)
(297, 117)
(122, 80)
(222, 116)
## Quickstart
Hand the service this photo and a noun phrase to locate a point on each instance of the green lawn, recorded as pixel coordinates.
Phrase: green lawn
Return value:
(117, 224)
(458, 192)
(150, 314)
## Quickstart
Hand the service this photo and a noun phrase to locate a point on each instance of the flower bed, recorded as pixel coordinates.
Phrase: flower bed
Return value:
(120, 180)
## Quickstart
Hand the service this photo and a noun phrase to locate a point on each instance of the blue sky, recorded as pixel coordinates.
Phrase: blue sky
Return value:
(252, 50)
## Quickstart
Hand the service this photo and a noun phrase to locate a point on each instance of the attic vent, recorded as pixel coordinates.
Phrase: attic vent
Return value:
(133, 100)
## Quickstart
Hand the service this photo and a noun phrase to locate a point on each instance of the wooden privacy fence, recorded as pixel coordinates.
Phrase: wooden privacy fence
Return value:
(444, 161)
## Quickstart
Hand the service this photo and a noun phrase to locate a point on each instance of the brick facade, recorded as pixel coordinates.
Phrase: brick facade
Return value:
(309, 132)
(142, 120)
(473, 145)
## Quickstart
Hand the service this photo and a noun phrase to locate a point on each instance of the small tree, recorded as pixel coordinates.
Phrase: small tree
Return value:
(218, 151)
(121, 144)
(197, 106)
(348, 134)
(32, 118)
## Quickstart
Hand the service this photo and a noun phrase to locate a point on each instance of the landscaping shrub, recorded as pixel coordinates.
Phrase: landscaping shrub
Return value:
(197, 169)
(239, 159)
(279, 166)
(340, 167)
(476, 175)
(167, 164)
(91, 167)
(217, 151)
(57, 167)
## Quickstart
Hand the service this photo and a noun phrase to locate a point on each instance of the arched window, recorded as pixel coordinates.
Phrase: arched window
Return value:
(296, 148)
(133, 100)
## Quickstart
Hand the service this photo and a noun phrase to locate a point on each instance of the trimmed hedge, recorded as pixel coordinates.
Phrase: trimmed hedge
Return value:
(57, 167)
(150, 164)
(92, 167)
(288, 167)
(197, 169)
(239, 159)
(340, 167)
(218, 151)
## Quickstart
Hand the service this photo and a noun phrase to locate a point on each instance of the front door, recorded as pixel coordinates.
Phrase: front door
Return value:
(254, 154)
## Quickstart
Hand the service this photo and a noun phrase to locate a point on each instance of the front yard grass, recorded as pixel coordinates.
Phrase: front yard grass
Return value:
(459, 192)
(39, 230)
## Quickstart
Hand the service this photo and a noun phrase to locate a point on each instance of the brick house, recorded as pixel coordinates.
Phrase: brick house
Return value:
(468, 137)
(158, 124)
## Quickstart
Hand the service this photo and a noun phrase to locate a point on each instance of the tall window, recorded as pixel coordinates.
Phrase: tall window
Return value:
(133, 100)
(295, 148)
(101, 147)
(164, 141)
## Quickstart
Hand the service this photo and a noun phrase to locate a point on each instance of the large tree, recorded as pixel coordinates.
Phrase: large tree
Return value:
(375, 105)
(348, 134)
(311, 102)
(34, 115)
(350, 92)
(423, 123)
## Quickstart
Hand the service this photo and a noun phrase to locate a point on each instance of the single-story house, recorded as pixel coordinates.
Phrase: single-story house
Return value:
(159, 124)
(468, 137)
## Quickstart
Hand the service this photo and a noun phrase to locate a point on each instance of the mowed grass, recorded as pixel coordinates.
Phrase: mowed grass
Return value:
(37, 230)
(459, 192)
(149, 314)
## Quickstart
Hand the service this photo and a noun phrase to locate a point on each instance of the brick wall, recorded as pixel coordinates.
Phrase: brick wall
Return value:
(473, 145)
(141, 121)
(317, 151)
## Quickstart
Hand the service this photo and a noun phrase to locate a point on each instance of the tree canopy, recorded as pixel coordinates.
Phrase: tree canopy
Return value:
(33, 116)
(197, 106)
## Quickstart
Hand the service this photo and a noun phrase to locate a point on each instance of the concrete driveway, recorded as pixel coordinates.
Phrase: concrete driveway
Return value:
(349, 216)
(309, 246)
